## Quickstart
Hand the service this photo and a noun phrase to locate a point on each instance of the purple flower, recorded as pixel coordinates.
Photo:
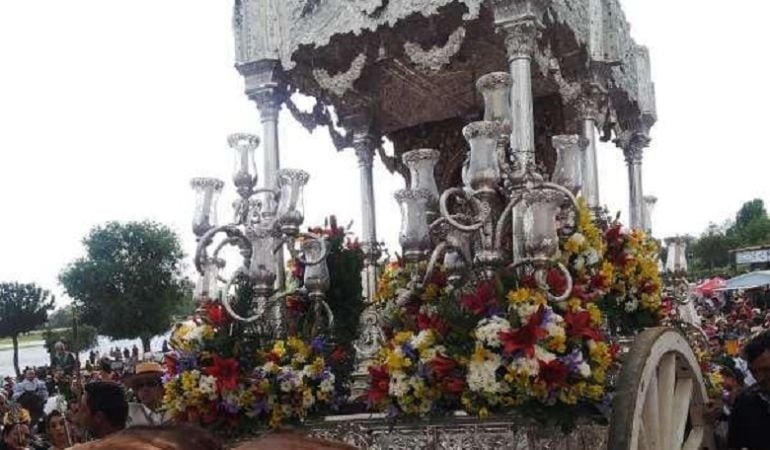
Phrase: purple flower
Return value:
(260, 407)
(229, 408)
(318, 344)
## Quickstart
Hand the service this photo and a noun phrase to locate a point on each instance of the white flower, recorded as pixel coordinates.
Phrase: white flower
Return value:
(327, 385)
(482, 376)
(631, 305)
(307, 399)
(580, 263)
(527, 366)
(208, 386)
(398, 385)
(488, 331)
(422, 340)
(592, 257)
(584, 369)
(524, 310)
(543, 355)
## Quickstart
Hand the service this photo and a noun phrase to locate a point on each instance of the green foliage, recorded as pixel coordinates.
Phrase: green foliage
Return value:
(710, 253)
(61, 317)
(129, 284)
(712, 249)
(23, 308)
(86, 338)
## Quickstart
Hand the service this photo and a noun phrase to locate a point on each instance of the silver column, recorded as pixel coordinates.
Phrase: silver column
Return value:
(264, 86)
(633, 145)
(590, 187)
(649, 206)
(365, 143)
(520, 44)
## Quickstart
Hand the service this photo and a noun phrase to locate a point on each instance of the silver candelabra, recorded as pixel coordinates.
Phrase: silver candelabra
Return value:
(266, 221)
(503, 194)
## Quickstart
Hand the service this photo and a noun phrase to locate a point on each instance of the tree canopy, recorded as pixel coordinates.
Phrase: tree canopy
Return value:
(129, 284)
(711, 251)
(23, 308)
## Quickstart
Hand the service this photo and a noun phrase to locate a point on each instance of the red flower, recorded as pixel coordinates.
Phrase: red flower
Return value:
(442, 366)
(599, 282)
(438, 278)
(557, 282)
(225, 370)
(553, 373)
(529, 282)
(479, 301)
(379, 383)
(614, 234)
(216, 315)
(295, 305)
(338, 355)
(526, 337)
(432, 322)
(453, 385)
(170, 361)
(579, 325)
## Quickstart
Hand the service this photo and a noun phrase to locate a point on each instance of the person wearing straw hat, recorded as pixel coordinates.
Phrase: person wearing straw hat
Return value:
(147, 384)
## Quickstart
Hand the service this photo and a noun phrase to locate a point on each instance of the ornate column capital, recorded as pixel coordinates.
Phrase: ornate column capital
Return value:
(265, 85)
(633, 144)
(521, 21)
(591, 101)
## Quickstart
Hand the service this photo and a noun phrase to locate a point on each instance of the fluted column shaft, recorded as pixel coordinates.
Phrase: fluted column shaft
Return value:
(590, 187)
(633, 145)
(269, 98)
(520, 43)
(365, 143)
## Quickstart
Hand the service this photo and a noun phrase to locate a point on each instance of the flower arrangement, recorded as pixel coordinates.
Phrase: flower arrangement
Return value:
(634, 298)
(233, 377)
(287, 381)
(498, 344)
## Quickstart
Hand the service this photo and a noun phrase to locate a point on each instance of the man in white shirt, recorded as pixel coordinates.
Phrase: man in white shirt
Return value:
(147, 386)
(32, 384)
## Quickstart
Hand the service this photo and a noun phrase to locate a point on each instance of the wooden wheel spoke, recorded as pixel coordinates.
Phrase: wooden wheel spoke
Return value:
(651, 415)
(682, 398)
(694, 439)
(659, 396)
(666, 385)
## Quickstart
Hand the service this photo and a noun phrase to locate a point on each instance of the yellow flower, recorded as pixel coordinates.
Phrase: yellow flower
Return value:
(396, 361)
(557, 343)
(596, 314)
(574, 304)
(403, 337)
(519, 296)
(279, 348)
(483, 413)
(430, 293)
(594, 391)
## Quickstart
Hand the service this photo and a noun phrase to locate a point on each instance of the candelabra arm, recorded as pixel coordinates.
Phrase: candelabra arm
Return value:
(234, 236)
(434, 256)
(504, 219)
(226, 300)
(450, 217)
(540, 264)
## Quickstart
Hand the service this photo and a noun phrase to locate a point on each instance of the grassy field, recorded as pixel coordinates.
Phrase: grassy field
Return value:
(23, 339)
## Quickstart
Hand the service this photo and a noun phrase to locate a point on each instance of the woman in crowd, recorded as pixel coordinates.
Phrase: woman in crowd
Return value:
(57, 431)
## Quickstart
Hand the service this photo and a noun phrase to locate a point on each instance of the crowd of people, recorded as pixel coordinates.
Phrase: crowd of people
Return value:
(734, 325)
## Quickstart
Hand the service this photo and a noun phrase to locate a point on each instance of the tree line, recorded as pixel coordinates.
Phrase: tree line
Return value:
(710, 253)
(130, 284)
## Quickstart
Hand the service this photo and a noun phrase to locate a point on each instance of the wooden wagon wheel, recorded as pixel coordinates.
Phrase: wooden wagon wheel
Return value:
(660, 395)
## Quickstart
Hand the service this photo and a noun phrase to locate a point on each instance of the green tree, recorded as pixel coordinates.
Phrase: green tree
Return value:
(712, 249)
(23, 308)
(60, 317)
(129, 284)
(752, 225)
(86, 338)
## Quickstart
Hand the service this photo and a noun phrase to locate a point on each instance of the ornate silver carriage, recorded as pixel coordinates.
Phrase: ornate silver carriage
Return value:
(554, 74)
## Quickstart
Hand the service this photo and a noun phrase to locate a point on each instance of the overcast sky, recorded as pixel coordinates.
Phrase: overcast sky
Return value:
(108, 108)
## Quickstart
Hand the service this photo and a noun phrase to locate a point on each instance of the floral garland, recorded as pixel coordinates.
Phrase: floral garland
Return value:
(634, 299)
(498, 344)
(230, 377)
(286, 381)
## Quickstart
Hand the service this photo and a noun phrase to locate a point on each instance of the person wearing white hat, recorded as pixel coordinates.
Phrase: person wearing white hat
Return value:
(148, 387)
